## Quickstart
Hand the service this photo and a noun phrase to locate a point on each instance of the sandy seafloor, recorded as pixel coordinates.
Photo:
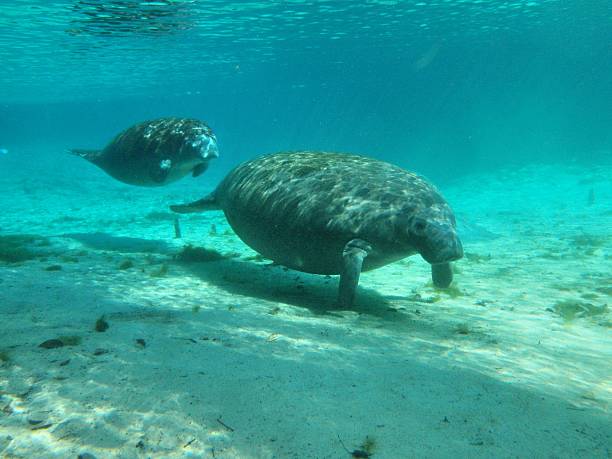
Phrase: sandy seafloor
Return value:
(242, 359)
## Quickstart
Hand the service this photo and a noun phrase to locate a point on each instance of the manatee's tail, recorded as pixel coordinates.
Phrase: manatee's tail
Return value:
(89, 155)
(201, 205)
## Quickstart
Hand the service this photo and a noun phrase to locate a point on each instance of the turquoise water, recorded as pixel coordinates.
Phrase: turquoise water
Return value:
(459, 84)
(506, 106)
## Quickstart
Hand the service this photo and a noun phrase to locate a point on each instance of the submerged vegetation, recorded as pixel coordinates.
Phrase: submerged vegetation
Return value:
(452, 291)
(605, 289)
(15, 248)
(587, 244)
(588, 240)
(126, 264)
(368, 445)
(54, 268)
(101, 324)
(4, 357)
(477, 258)
(66, 340)
(70, 340)
(192, 254)
(462, 328)
(366, 449)
(569, 310)
(160, 272)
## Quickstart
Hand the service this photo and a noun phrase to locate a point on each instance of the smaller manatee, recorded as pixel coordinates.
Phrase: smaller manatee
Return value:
(157, 152)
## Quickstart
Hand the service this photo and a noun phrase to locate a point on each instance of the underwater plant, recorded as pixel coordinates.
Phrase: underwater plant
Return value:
(161, 272)
(366, 449)
(4, 357)
(15, 248)
(477, 258)
(53, 268)
(462, 328)
(586, 241)
(452, 291)
(101, 324)
(70, 340)
(606, 290)
(191, 254)
(573, 309)
(126, 264)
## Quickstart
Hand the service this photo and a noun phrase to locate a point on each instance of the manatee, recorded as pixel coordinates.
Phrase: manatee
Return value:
(157, 152)
(334, 213)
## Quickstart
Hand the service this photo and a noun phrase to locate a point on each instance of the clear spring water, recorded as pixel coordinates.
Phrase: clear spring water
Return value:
(505, 105)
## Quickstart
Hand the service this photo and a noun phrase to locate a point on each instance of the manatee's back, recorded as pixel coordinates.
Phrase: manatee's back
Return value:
(324, 191)
(145, 142)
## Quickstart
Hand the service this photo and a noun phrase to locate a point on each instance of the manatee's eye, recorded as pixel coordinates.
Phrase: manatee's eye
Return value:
(418, 226)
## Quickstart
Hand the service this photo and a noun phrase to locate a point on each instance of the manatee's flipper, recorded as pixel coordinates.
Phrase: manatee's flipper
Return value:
(352, 258)
(199, 169)
(89, 155)
(202, 205)
(442, 275)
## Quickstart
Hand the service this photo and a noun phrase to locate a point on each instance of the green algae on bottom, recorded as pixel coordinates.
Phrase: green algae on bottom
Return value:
(452, 291)
(589, 296)
(191, 254)
(15, 248)
(606, 290)
(54, 268)
(70, 340)
(573, 309)
(126, 264)
(477, 258)
(160, 272)
(366, 448)
(101, 324)
(4, 357)
(586, 240)
(417, 297)
(368, 445)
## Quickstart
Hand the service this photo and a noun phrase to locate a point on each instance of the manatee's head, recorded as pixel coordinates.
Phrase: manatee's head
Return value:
(199, 141)
(432, 231)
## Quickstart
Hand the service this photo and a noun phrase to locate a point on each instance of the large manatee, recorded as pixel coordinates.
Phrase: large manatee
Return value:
(331, 213)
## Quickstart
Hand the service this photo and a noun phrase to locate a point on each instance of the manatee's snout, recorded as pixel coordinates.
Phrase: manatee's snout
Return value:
(449, 248)
(206, 146)
(441, 244)
(434, 235)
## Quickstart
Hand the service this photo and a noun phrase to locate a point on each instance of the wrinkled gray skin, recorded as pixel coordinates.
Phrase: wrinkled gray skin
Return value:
(330, 213)
(157, 152)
